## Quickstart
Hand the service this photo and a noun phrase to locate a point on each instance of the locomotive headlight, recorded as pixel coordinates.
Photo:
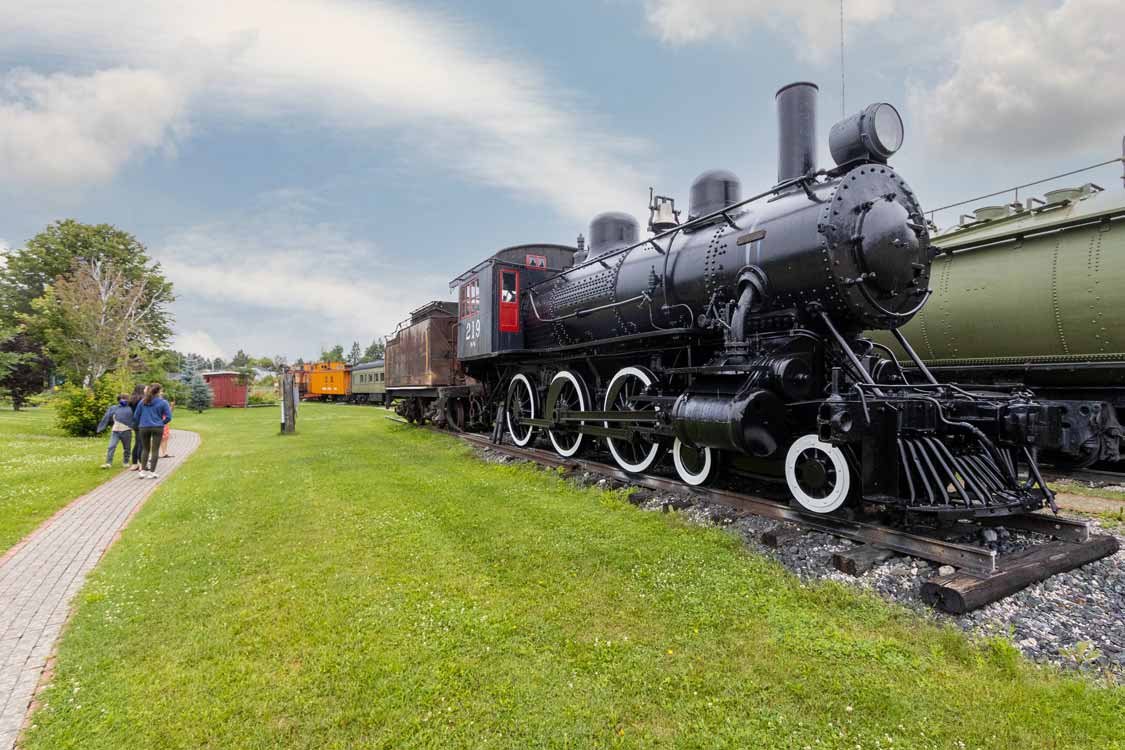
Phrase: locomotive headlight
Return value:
(873, 133)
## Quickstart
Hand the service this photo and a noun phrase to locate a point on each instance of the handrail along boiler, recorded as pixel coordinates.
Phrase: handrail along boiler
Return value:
(736, 334)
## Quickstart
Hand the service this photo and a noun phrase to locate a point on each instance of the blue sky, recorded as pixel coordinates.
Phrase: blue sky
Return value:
(308, 171)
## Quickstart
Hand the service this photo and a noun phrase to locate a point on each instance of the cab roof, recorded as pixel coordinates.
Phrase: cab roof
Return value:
(507, 256)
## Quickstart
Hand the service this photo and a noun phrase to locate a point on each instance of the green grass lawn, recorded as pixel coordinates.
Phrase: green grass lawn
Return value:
(41, 470)
(364, 584)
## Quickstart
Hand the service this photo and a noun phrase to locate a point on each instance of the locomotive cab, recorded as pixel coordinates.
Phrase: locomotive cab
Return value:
(489, 297)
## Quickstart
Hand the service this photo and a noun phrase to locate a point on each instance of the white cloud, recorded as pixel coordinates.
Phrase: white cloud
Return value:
(197, 342)
(275, 281)
(62, 129)
(1032, 80)
(355, 65)
(815, 21)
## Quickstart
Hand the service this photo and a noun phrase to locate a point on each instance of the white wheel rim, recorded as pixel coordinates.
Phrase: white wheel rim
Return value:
(839, 493)
(521, 378)
(573, 380)
(645, 463)
(694, 479)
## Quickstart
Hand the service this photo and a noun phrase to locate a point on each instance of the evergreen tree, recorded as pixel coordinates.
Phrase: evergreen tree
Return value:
(200, 396)
(355, 354)
(218, 364)
(241, 359)
(193, 364)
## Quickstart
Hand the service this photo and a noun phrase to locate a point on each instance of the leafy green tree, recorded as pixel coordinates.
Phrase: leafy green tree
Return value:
(335, 354)
(241, 360)
(375, 351)
(94, 316)
(218, 364)
(23, 367)
(54, 253)
(200, 396)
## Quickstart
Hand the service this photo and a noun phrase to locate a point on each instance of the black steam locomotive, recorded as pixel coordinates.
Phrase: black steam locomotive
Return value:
(735, 335)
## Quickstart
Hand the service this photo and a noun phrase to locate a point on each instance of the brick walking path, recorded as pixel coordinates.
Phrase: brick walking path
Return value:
(41, 574)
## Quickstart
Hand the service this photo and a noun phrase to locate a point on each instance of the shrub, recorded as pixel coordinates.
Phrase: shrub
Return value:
(261, 399)
(80, 409)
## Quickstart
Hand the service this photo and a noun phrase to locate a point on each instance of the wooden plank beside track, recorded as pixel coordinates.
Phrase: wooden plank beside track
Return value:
(960, 592)
(858, 560)
(779, 536)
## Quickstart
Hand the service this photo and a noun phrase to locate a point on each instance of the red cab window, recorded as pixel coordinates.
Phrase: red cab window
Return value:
(509, 301)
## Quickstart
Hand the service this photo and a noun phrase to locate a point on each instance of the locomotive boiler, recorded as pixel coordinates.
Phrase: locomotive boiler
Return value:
(736, 336)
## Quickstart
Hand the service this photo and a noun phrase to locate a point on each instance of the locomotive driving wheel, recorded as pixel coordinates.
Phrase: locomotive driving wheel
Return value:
(638, 454)
(567, 393)
(694, 466)
(817, 474)
(520, 405)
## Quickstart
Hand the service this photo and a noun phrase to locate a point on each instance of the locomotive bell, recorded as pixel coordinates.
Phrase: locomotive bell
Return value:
(662, 213)
(713, 191)
(610, 231)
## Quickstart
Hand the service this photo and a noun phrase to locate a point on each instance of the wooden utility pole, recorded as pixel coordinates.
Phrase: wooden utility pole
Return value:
(288, 403)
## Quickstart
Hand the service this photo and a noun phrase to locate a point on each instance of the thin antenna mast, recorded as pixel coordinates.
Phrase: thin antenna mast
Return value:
(843, 105)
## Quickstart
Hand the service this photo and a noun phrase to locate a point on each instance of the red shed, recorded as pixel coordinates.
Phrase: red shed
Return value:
(229, 388)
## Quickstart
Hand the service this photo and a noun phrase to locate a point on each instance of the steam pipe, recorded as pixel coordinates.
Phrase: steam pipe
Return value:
(741, 311)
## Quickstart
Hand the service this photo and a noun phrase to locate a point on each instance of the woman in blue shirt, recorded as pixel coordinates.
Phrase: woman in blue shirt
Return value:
(150, 416)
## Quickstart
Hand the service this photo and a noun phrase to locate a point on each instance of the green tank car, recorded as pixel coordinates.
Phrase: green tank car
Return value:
(1033, 295)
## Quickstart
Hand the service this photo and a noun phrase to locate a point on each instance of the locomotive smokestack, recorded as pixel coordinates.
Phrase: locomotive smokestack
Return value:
(796, 130)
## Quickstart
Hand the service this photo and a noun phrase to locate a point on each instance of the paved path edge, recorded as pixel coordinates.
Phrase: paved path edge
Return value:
(65, 557)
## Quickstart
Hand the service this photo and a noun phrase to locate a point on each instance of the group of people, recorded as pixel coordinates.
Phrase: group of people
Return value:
(139, 422)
